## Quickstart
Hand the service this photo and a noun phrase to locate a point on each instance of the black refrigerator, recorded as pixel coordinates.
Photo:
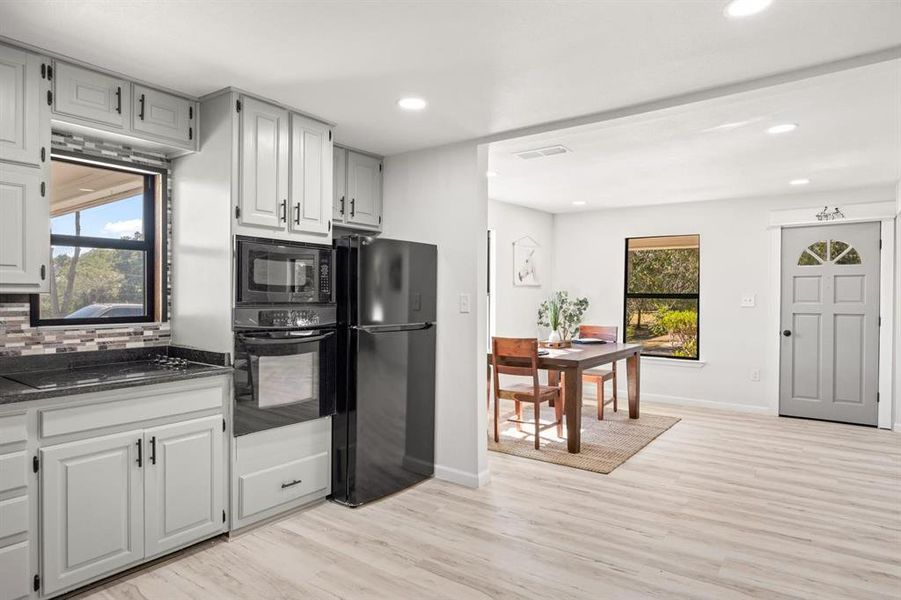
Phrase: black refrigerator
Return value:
(383, 434)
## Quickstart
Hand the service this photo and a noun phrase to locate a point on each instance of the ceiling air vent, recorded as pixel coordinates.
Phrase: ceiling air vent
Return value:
(540, 152)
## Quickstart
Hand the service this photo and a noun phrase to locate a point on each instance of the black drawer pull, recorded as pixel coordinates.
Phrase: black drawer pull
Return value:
(291, 483)
(141, 113)
(119, 99)
(140, 453)
(153, 450)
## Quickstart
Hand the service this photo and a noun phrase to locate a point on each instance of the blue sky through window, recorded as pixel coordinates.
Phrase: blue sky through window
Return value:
(114, 220)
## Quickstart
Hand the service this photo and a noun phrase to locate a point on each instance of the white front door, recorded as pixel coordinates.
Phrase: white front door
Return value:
(830, 323)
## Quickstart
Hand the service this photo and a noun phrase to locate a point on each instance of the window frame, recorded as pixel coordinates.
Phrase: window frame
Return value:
(155, 250)
(646, 296)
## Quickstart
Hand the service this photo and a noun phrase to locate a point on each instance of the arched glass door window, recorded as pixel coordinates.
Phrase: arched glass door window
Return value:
(829, 251)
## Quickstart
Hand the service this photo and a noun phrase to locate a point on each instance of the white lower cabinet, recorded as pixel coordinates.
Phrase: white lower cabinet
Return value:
(183, 484)
(14, 572)
(92, 509)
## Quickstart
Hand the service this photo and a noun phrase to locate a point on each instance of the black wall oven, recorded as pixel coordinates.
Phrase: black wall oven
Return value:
(284, 367)
(277, 272)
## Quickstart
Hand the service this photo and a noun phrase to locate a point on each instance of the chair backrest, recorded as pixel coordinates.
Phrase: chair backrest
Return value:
(608, 333)
(522, 352)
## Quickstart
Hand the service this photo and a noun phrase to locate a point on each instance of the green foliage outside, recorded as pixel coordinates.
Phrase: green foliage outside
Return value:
(681, 326)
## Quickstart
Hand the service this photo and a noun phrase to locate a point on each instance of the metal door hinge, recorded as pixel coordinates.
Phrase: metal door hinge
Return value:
(43, 188)
(49, 98)
(237, 212)
(877, 397)
(380, 167)
(49, 72)
(329, 135)
(880, 243)
(35, 463)
(238, 105)
(330, 225)
(43, 154)
(43, 71)
(190, 133)
(223, 424)
(223, 516)
(190, 112)
(43, 272)
(380, 220)
(36, 585)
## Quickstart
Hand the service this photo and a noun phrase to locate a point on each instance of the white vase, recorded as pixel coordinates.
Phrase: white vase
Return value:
(554, 337)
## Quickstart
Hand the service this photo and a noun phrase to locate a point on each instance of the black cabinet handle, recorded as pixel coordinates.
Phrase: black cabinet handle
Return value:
(297, 214)
(119, 99)
(190, 133)
(353, 209)
(291, 483)
(342, 206)
(787, 333)
(140, 453)
(153, 450)
(284, 211)
(141, 113)
(43, 272)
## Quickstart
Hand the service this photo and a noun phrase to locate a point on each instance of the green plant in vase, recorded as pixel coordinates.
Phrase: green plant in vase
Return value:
(562, 315)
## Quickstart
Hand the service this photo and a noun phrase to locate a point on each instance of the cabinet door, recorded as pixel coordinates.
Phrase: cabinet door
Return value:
(90, 95)
(163, 115)
(21, 130)
(311, 176)
(339, 184)
(264, 164)
(92, 508)
(15, 574)
(364, 188)
(24, 230)
(183, 486)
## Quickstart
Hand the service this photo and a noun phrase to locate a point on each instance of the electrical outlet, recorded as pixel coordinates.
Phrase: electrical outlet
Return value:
(749, 301)
(465, 303)
(755, 374)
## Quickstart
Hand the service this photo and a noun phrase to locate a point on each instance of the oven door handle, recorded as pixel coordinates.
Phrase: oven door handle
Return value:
(393, 328)
(286, 341)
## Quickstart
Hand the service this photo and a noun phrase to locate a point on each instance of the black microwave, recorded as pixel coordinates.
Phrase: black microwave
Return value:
(279, 272)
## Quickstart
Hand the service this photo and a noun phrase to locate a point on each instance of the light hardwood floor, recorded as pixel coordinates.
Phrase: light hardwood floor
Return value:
(723, 505)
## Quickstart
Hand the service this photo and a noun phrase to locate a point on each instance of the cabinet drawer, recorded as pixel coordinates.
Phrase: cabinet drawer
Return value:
(278, 485)
(15, 578)
(13, 516)
(13, 471)
(12, 429)
(141, 406)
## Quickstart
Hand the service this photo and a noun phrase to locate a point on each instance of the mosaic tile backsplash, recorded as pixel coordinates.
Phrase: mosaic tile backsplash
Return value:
(18, 338)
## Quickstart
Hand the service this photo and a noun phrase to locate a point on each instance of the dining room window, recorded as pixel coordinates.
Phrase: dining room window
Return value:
(662, 295)
(104, 237)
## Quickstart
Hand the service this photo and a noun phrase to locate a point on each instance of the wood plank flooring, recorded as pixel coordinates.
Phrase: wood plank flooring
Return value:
(723, 505)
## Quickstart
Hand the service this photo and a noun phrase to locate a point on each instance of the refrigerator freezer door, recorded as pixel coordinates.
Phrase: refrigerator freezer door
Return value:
(395, 411)
(397, 282)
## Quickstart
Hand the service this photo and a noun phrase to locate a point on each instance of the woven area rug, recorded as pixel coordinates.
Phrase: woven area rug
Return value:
(605, 444)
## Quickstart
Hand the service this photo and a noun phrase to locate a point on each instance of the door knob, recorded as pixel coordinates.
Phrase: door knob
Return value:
(787, 333)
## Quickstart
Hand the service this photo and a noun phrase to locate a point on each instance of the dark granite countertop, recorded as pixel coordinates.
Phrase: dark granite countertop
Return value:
(50, 376)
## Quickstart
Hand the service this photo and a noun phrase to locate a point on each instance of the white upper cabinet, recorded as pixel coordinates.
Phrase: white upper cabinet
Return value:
(364, 188)
(183, 484)
(21, 128)
(162, 115)
(264, 164)
(24, 230)
(91, 95)
(339, 183)
(311, 176)
(92, 508)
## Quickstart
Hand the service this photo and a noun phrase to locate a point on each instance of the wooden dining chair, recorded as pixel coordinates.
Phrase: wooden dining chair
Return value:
(521, 352)
(600, 375)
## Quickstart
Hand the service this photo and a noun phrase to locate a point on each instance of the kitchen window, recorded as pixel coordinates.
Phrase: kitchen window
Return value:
(106, 220)
(662, 295)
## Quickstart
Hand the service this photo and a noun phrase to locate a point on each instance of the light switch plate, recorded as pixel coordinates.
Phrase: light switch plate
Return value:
(749, 300)
(465, 303)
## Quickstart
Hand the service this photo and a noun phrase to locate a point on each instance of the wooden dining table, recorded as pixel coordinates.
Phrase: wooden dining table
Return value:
(572, 362)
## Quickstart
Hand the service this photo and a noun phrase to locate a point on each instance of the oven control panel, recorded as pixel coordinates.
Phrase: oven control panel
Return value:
(325, 277)
(288, 318)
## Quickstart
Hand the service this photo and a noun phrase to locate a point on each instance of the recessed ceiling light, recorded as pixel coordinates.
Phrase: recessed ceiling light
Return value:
(491, 174)
(782, 128)
(726, 126)
(802, 181)
(85, 190)
(745, 8)
(412, 103)
(578, 203)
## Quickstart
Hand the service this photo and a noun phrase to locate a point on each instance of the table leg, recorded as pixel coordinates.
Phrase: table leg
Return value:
(633, 374)
(553, 380)
(572, 404)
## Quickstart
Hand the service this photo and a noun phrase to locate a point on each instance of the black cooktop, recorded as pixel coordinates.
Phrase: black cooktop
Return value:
(108, 373)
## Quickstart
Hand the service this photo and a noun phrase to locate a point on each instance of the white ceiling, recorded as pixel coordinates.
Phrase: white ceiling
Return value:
(849, 136)
(485, 66)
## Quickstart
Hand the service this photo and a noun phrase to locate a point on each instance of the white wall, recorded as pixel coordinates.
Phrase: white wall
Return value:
(895, 359)
(735, 260)
(517, 307)
(439, 196)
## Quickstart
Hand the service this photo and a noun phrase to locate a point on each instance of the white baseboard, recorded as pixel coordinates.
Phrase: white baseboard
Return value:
(666, 399)
(464, 478)
(896, 427)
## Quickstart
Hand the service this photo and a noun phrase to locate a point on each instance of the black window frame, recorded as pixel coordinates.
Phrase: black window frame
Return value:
(627, 295)
(155, 184)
